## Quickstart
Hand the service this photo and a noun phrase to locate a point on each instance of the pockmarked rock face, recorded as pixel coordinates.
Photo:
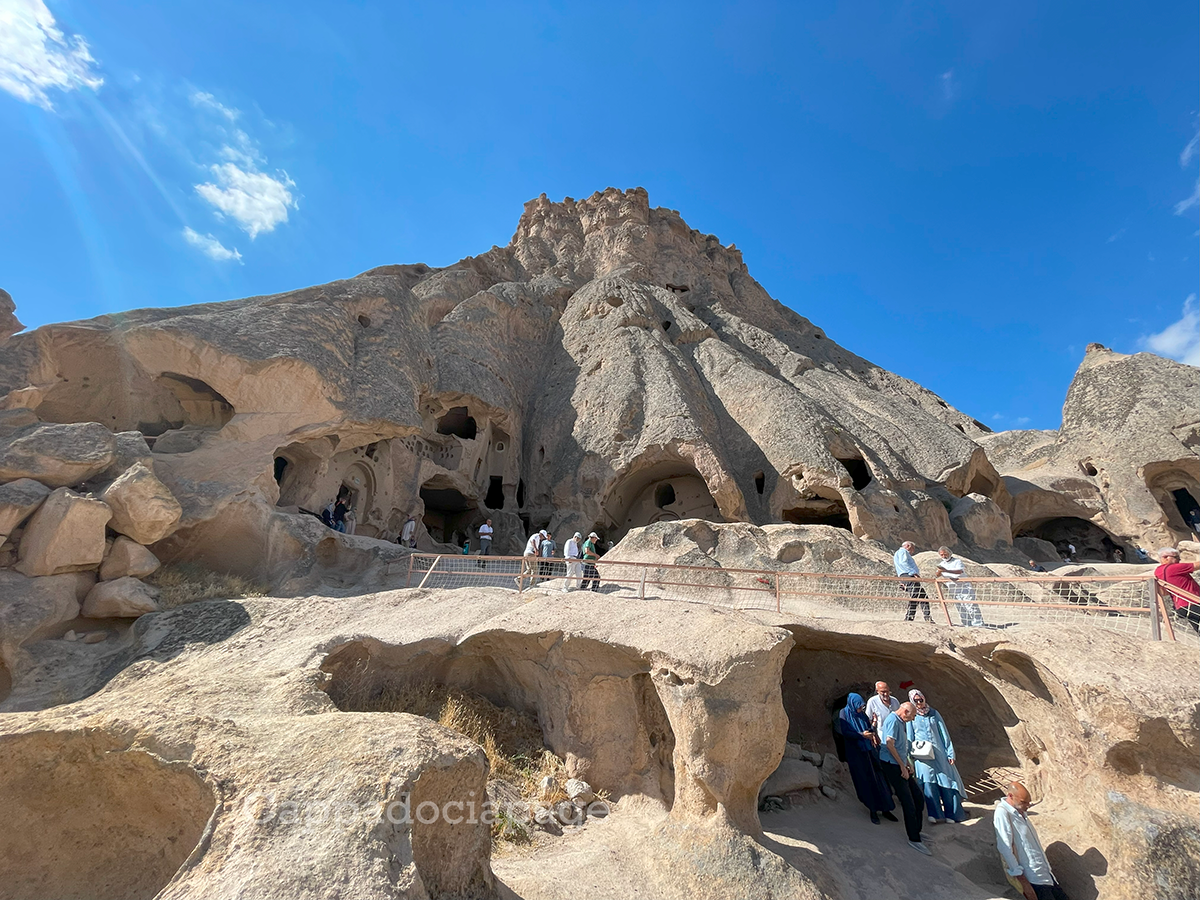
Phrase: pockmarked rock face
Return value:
(17, 500)
(143, 508)
(56, 455)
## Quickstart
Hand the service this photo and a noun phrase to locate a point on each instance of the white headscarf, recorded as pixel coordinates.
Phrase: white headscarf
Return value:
(912, 698)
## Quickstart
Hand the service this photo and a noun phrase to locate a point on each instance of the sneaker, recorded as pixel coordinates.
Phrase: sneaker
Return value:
(933, 821)
(889, 817)
(874, 818)
(920, 848)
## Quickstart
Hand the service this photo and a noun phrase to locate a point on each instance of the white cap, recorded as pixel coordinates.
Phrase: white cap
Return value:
(593, 534)
(578, 535)
(544, 533)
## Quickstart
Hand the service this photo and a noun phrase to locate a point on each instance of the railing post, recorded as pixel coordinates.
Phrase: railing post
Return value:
(778, 598)
(642, 587)
(408, 580)
(942, 600)
(1161, 605)
(436, 560)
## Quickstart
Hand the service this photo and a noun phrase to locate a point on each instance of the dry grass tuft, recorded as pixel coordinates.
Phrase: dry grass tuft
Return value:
(183, 583)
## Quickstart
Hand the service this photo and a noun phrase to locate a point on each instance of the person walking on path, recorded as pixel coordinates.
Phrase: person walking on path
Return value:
(880, 706)
(961, 592)
(1179, 574)
(862, 759)
(573, 553)
(939, 779)
(906, 568)
(1025, 861)
(590, 555)
(894, 755)
(546, 552)
(529, 559)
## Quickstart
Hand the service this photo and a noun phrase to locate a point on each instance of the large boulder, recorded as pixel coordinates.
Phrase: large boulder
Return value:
(57, 455)
(65, 534)
(1037, 549)
(18, 500)
(792, 775)
(131, 447)
(143, 507)
(980, 522)
(30, 608)
(126, 557)
(125, 598)
(9, 323)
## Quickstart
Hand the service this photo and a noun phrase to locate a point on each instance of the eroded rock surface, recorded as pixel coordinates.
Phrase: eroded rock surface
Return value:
(66, 533)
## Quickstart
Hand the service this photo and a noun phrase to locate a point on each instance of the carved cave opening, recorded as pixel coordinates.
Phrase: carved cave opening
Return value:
(1090, 540)
(818, 511)
(448, 514)
(1176, 487)
(203, 406)
(824, 667)
(760, 482)
(495, 493)
(860, 475)
(511, 671)
(280, 468)
(664, 491)
(458, 423)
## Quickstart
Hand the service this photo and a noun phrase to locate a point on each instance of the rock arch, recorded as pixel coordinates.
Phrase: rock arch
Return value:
(668, 489)
(202, 405)
(1090, 540)
(1175, 486)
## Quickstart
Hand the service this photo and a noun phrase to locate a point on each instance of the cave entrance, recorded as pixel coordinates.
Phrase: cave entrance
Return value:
(458, 423)
(860, 475)
(823, 667)
(495, 493)
(202, 406)
(359, 484)
(818, 511)
(1188, 508)
(448, 514)
(1090, 540)
(658, 493)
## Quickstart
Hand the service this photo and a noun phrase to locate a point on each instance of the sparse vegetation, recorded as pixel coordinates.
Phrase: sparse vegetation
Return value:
(183, 583)
(511, 740)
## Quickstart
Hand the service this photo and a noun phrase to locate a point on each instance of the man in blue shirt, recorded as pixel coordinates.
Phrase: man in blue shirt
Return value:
(906, 567)
(893, 758)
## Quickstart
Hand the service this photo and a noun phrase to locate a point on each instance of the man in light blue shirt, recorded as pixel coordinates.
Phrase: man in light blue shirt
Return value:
(906, 567)
(1025, 861)
(893, 758)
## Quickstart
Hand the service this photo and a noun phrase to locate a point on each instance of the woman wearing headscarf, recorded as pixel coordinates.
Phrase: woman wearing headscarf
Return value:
(862, 759)
(940, 781)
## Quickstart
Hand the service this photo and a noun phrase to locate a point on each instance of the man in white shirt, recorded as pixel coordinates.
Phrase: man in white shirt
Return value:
(1025, 861)
(573, 554)
(485, 538)
(962, 592)
(408, 533)
(529, 559)
(882, 705)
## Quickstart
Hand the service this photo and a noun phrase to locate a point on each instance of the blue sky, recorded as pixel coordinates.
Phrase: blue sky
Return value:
(966, 194)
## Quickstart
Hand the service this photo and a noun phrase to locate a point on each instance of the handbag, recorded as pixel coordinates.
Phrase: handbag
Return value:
(922, 750)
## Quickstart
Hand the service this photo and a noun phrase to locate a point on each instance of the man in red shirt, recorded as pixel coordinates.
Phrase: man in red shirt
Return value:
(1179, 574)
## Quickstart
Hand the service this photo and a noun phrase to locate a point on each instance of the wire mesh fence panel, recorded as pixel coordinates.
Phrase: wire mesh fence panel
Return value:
(1122, 604)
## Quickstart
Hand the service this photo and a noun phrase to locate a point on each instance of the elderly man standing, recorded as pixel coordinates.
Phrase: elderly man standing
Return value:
(962, 592)
(1024, 859)
(880, 706)
(573, 553)
(893, 755)
(906, 568)
(1179, 574)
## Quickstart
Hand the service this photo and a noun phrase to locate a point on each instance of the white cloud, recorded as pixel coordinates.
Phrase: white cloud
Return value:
(996, 417)
(36, 57)
(200, 98)
(1116, 236)
(255, 200)
(210, 246)
(1190, 150)
(948, 86)
(1023, 420)
(1184, 205)
(1181, 339)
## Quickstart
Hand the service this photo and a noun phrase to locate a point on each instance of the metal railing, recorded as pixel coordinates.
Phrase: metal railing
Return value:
(1134, 605)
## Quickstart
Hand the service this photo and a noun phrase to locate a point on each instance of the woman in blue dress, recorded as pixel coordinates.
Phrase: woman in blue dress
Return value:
(940, 781)
(862, 759)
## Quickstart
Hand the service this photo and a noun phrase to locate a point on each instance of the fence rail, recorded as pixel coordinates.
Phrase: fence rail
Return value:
(1133, 605)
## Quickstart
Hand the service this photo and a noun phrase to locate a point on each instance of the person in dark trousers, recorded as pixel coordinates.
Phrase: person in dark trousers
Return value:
(893, 754)
(906, 568)
(590, 555)
(862, 758)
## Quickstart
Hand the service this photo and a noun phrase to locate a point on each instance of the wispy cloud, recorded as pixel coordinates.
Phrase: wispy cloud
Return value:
(239, 188)
(949, 87)
(210, 246)
(1185, 157)
(1189, 152)
(36, 57)
(1115, 236)
(1181, 339)
(996, 417)
(1023, 420)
